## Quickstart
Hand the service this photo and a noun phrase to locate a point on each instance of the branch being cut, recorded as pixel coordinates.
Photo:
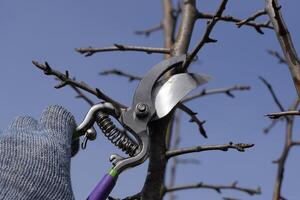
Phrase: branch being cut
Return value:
(194, 118)
(217, 188)
(119, 47)
(285, 40)
(66, 80)
(147, 32)
(225, 147)
(228, 91)
(206, 36)
(283, 114)
(257, 26)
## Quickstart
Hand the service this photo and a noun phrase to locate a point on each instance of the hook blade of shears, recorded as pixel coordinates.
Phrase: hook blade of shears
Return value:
(174, 89)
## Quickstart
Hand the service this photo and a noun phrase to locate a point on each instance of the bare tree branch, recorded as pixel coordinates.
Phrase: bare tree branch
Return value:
(256, 26)
(147, 32)
(66, 80)
(252, 18)
(270, 88)
(285, 40)
(175, 160)
(194, 118)
(83, 96)
(119, 47)
(277, 55)
(189, 12)
(228, 91)
(206, 36)
(271, 125)
(289, 143)
(217, 188)
(225, 147)
(117, 72)
(284, 113)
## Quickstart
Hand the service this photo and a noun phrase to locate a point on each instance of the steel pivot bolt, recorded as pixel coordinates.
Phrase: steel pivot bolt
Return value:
(141, 110)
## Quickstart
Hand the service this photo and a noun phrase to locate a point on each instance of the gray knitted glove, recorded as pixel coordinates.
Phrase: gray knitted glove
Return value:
(35, 157)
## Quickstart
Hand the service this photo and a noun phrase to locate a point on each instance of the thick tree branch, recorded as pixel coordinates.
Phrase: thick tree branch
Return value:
(66, 80)
(119, 47)
(175, 160)
(285, 40)
(256, 26)
(206, 36)
(228, 91)
(217, 188)
(225, 147)
(189, 16)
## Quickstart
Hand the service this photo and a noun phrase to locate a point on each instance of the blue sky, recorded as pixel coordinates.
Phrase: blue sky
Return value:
(50, 30)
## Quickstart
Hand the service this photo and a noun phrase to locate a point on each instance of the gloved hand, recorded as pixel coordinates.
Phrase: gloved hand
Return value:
(35, 157)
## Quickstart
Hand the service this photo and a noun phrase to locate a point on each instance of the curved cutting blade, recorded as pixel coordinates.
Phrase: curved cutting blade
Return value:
(174, 89)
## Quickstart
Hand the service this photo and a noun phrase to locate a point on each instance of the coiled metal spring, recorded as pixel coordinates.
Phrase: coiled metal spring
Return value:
(117, 137)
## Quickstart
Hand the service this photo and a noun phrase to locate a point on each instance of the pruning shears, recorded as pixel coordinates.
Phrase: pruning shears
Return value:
(154, 98)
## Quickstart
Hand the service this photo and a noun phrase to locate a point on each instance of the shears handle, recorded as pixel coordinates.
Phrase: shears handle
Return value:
(103, 188)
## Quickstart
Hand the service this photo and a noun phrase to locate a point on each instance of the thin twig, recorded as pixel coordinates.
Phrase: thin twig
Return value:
(119, 47)
(257, 26)
(206, 38)
(228, 91)
(217, 188)
(267, 129)
(225, 147)
(148, 31)
(66, 80)
(83, 96)
(251, 18)
(285, 40)
(270, 88)
(283, 114)
(194, 118)
(281, 60)
(117, 72)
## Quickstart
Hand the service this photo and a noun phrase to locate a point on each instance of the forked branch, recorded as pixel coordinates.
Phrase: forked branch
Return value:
(66, 80)
(217, 188)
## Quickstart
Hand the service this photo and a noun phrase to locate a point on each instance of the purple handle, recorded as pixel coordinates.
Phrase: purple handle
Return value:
(103, 188)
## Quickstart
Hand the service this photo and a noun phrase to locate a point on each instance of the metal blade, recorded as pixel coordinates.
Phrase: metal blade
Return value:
(171, 92)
